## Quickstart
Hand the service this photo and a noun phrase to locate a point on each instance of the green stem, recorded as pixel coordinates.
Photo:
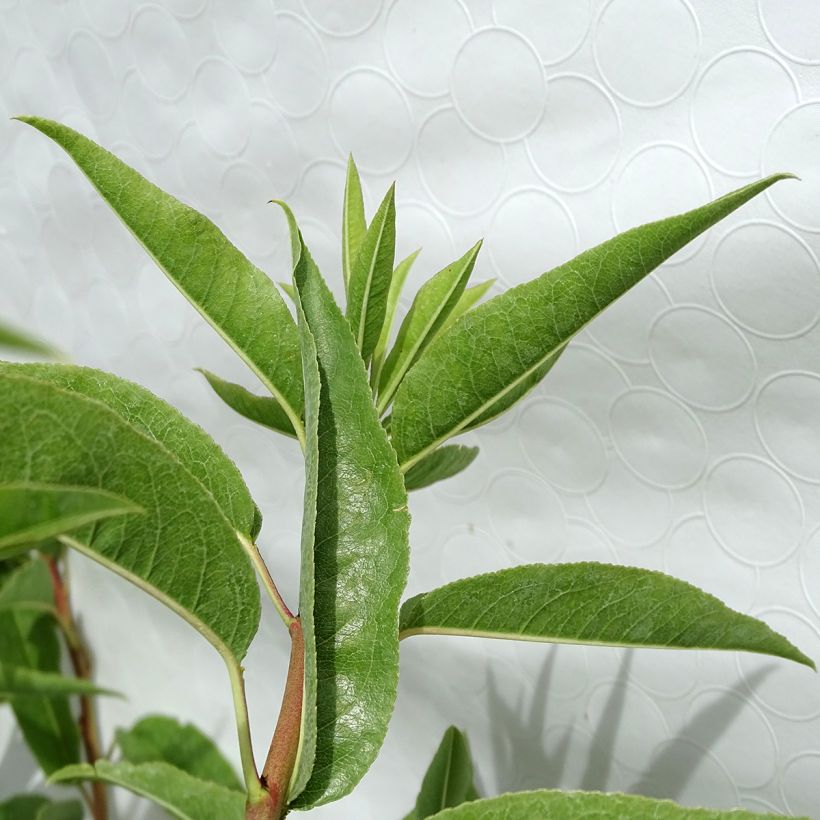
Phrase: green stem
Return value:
(264, 573)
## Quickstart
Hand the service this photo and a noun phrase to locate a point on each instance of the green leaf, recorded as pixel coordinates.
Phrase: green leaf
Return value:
(13, 339)
(180, 794)
(113, 436)
(449, 778)
(469, 299)
(19, 682)
(354, 224)
(163, 739)
(497, 352)
(585, 805)
(445, 462)
(370, 277)
(393, 294)
(589, 603)
(433, 303)
(27, 587)
(233, 295)
(355, 552)
(38, 807)
(32, 512)
(264, 410)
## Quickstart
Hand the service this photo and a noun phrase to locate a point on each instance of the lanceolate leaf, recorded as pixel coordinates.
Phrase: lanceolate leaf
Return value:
(449, 778)
(180, 794)
(370, 277)
(184, 548)
(433, 303)
(354, 224)
(264, 410)
(586, 805)
(19, 682)
(445, 462)
(590, 603)
(396, 286)
(469, 299)
(166, 740)
(13, 339)
(501, 349)
(237, 298)
(33, 512)
(37, 807)
(27, 587)
(357, 551)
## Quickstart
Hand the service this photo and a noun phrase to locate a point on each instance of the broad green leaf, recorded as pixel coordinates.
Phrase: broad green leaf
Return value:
(445, 462)
(38, 807)
(497, 352)
(163, 739)
(232, 294)
(33, 512)
(27, 587)
(19, 682)
(184, 548)
(180, 794)
(13, 339)
(589, 603)
(449, 778)
(354, 224)
(586, 805)
(28, 638)
(394, 293)
(469, 299)
(264, 410)
(433, 303)
(370, 277)
(355, 550)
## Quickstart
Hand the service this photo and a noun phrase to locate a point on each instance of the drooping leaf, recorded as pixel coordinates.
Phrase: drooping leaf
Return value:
(264, 410)
(31, 512)
(469, 299)
(180, 794)
(39, 807)
(394, 293)
(355, 550)
(498, 351)
(232, 294)
(586, 805)
(589, 603)
(18, 682)
(12, 338)
(449, 778)
(370, 277)
(445, 462)
(354, 224)
(433, 303)
(113, 436)
(163, 739)
(27, 587)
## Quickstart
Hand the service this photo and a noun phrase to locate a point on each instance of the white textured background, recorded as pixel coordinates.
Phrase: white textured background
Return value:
(681, 432)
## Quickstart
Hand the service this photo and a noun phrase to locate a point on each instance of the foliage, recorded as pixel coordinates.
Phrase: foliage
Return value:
(92, 463)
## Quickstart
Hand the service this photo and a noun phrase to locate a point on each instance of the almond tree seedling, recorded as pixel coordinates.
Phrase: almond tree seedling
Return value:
(92, 463)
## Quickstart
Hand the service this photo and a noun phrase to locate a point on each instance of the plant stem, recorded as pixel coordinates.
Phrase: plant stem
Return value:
(81, 663)
(288, 618)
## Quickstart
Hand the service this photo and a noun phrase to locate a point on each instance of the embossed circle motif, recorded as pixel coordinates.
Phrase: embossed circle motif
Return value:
(343, 18)
(753, 510)
(161, 51)
(247, 32)
(498, 84)
(791, 30)
(435, 28)
(767, 279)
(576, 143)
(659, 64)
(787, 409)
(222, 107)
(801, 769)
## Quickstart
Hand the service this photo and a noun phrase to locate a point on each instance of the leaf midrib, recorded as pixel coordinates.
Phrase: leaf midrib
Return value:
(369, 283)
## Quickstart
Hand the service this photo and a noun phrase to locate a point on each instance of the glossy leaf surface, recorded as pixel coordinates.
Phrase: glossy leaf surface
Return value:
(586, 805)
(163, 739)
(501, 349)
(355, 544)
(448, 781)
(180, 794)
(183, 548)
(354, 224)
(445, 462)
(233, 295)
(589, 603)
